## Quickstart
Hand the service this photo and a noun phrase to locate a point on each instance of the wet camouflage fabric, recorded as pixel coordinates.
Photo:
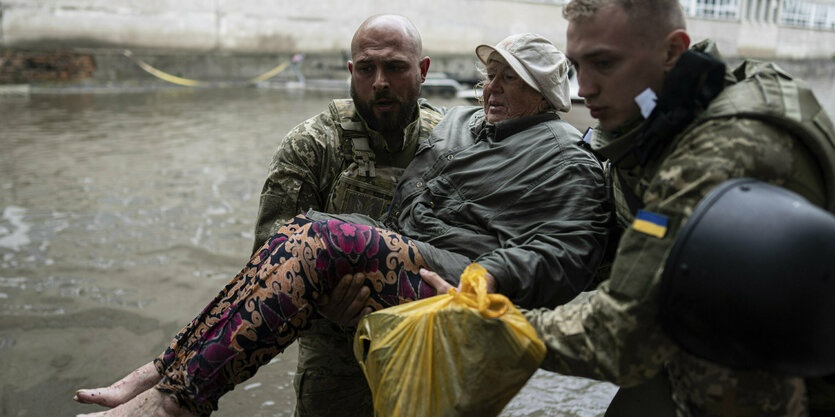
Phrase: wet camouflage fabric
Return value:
(304, 170)
(616, 337)
(329, 381)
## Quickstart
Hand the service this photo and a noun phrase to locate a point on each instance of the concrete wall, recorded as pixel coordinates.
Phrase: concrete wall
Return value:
(325, 26)
(798, 43)
(764, 40)
(264, 26)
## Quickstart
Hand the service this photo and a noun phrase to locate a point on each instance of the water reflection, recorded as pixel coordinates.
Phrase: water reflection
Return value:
(122, 214)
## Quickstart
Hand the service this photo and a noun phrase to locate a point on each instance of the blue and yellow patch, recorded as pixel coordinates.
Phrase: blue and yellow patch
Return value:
(650, 223)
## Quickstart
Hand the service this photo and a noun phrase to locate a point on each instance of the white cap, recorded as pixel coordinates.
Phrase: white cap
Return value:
(538, 62)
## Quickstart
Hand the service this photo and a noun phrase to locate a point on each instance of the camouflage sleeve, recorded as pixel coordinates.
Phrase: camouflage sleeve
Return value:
(429, 108)
(304, 165)
(615, 336)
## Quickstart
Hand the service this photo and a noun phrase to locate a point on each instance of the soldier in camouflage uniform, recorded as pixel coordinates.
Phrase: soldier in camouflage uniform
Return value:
(346, 159)
(762, 125)
(320, 166)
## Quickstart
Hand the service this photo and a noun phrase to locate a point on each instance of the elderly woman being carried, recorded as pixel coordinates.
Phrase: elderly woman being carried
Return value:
(507, 185)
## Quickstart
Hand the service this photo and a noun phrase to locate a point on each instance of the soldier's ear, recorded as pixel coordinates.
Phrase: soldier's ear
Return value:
(350, 66)
(424, 68)
(675, 44)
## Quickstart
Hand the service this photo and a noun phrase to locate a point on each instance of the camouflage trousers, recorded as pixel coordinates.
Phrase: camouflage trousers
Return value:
(329, 381)
(702, 388)
(699, 388)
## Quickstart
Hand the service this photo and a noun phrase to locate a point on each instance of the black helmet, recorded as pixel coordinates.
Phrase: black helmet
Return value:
(750, 281)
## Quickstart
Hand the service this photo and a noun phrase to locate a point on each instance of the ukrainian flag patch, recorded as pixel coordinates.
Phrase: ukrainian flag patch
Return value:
(650, 223)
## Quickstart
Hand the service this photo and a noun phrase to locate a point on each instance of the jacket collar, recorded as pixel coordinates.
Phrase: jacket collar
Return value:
(481, 129)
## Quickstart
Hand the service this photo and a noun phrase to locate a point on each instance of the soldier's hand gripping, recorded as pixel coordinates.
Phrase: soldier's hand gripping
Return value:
(345, 304)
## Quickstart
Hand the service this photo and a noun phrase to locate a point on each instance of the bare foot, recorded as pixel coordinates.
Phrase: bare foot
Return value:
(151, 403)
(123, 390)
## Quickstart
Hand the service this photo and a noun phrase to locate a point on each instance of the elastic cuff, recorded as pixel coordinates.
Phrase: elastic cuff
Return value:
(183, 399)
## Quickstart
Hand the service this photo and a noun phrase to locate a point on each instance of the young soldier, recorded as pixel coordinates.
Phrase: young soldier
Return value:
(707, 126)
(761, 125)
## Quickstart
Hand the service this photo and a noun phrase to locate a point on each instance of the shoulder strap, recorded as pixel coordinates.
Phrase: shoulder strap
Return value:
(632, 200)
(355, 141)
(765, 92)
(429, 117)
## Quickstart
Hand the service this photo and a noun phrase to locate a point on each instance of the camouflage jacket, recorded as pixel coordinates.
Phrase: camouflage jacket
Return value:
(317, 153)
(616, 335)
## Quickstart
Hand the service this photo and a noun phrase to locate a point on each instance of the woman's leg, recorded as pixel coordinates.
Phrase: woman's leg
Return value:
(260, 312)
(151, 373)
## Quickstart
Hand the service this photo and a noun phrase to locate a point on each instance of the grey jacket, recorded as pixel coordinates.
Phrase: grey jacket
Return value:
(521, 197)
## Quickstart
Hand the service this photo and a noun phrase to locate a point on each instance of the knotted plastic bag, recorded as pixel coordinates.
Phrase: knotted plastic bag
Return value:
(459, 354)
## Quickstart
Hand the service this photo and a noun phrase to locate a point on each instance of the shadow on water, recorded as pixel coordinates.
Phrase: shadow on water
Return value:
(121, 214)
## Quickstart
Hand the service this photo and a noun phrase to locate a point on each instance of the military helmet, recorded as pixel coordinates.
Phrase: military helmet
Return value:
(750, 281)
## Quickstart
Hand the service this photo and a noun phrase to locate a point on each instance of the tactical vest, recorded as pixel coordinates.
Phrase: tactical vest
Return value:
(763, 91)
(760, 91)
(364, 186)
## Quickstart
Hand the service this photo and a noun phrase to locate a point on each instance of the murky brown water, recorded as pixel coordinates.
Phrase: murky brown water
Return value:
(122, 214)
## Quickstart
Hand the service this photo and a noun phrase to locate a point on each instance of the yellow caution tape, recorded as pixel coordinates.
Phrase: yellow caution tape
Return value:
(269, 74)
(196, 83)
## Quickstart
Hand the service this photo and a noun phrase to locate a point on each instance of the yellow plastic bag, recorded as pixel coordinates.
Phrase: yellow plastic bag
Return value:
(457, 354)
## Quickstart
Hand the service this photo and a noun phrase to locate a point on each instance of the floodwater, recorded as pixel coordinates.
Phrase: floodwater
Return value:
(122, 214)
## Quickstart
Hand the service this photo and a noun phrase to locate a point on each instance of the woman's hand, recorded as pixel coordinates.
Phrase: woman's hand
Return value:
(441, 286)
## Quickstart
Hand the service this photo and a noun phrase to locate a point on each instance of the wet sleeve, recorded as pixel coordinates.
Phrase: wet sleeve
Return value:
(299, 175)
(616, 336)
(553, 261)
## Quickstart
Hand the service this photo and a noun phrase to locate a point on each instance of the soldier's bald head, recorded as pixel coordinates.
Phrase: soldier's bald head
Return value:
(389, 27)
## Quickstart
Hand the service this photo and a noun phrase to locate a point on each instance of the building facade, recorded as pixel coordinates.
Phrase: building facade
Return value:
(791, 29)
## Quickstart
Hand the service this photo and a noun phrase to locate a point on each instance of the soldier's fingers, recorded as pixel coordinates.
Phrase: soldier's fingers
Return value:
(365, 311)
(348, 314)
(356, 306)
(346, 300)
(335, 296)
(351, 291)
(323, 300)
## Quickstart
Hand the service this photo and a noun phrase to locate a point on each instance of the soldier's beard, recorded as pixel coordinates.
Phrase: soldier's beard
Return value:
(386, 122)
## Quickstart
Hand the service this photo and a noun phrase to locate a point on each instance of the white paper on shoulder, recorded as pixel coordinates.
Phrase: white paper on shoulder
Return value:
(646, 102)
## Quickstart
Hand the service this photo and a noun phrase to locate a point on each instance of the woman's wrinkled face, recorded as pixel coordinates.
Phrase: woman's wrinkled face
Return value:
(506, 95)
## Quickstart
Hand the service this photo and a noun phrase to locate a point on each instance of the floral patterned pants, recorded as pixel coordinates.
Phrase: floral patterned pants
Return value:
(263, 309)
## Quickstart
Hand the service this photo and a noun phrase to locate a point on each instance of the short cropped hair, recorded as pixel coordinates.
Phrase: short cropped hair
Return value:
(664, 16)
